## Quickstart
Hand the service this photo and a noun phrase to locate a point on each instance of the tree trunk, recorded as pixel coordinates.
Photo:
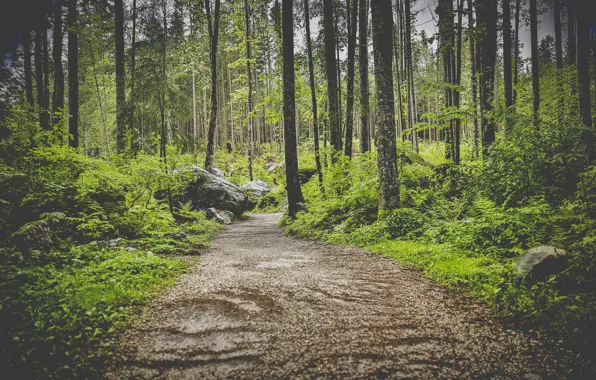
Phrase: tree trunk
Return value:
(558, 59)
(457, 131)
(486, 13)
(120, 77)
(410, 77)
(535, 64)
(473, 80)
(58, 96)
(382, 19)
(507, 70)
(213, 35)
(249, 75)
(363, 63)
(313, 93)
(517, 55)
(73, 74)
(353, 12)
(42, 107)
(446, 39)
(133, 53)
(583, 75)
(331, 70)
(27, 68)
(571, 32)
(292, 180)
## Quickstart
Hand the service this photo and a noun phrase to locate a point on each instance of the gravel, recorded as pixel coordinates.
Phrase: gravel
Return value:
(264, 305)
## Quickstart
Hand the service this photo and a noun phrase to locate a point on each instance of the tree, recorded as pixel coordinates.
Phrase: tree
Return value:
(39, 77)
(249, 76)
(486, 15)
(363, 63)
(331, 71)
(58, 97)
(473, 80)
(583, 75)
(120, 78)
(213, 26)
(446, 39)
(313, 94)
(535, 59)
(352, 25)
(382, 19)
(73, 74)
(571, 54)
(507, 69)
(27, 67)
(292, 180)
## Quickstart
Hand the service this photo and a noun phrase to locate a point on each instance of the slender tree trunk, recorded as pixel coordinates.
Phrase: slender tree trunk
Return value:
(313, 93)
(457, 132)
(292, 180)
(583, 71)
(507, 70)
(248, 73)
(517, 55)
(446, 39)
(382, 19)
(331, 70)
(42, 107)
(571, 44)
(133, 54)
(363, 63)
(213, 35)
(473, 80)
(27, 68)
(58, 96)
(535, 63)
(339, 102)
(46, 78)
(558, 59)
(353, 12)
(486, 13)
(73, 75)
(120, 78)
(411, 90)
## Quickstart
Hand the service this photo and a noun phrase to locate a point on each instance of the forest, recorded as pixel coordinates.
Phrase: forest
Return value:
(455, 138)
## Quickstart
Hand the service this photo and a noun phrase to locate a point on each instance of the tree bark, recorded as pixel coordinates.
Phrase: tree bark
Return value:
(249, 76)
(382, 19)
(363, 63)
(133, 54)
(535, 60)
(583, 75)
(292, 180)
(571, 44)
(353, 12)
(27, 68)
(73, 75)
(213, 35)
(331, 71)
(507, 70)
(42, 107)
(120, 78)
(486, 13)
(473, 80)
(58, 96)
(313, 93)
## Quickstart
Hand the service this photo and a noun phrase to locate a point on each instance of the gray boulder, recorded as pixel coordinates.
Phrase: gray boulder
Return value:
(220, 216)
(218, 172)
(255, 190)
(206, 190)
(539, 261)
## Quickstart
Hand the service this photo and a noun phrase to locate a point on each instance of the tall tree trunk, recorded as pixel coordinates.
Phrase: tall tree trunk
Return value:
(583, 75)
(353, 22)
(517, 53)
(486, 14)
(313, 93)
(42, 107)
(411, 90)
(58, 96)
(507, 70)
(213, 36)
(249, 76)
(120, 77)
(73, 74)
(46, 77)
(292, 180)
(363, 63)
(27, 67)
(133, 54)
(558, 59)
(398, 69)
(535, 63)
(473, 80)
(457, 131)
(382, 19)
(571, 44)
(331, 71)
(446, 39)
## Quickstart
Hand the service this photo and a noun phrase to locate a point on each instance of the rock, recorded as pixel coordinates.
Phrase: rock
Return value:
(206, 190)
(218, 172)
(114, 242)
(149, 253)
(220, 216)
(36, 235)
(539, 261)
(130, 249)
(256, 190)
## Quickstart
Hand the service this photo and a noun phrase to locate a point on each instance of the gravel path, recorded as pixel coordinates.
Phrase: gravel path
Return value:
(264, 305)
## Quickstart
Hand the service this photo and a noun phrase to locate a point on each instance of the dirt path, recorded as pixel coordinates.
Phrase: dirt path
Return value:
(264, 305)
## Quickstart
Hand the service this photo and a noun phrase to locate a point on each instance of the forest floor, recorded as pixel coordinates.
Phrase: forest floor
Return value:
(261, 304)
